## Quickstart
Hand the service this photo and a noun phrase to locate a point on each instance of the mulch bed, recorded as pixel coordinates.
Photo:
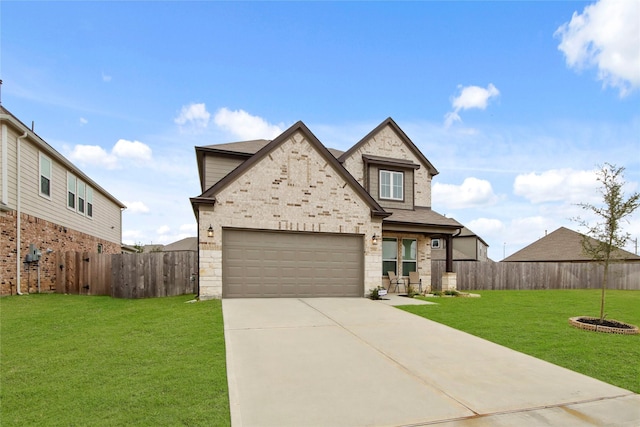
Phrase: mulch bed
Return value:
(607, 326)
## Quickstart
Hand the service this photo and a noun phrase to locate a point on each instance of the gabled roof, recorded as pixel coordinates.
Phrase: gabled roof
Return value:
(420, 216)
(403, 136)
(44, 146)
(561, 245)
(186, 244)
(241, 147)
(465, 232)
(208, 197)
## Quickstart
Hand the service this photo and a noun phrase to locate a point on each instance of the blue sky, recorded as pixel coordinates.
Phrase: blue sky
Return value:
(515, 103)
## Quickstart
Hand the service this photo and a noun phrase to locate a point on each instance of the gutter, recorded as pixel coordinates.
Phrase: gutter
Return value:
(18, 225)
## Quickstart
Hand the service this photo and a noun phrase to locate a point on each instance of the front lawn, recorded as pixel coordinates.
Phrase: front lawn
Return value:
(536, 323)
(97, 361)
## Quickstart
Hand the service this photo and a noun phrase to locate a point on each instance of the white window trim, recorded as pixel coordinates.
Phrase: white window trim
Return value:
(89, 201)
(75, 191)
(435, 244)
(384, 273)
(412, 261)
(82, 197)
(393, 177)
(40, 175)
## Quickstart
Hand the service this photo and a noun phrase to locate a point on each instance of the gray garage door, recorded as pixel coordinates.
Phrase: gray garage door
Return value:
(274, 264)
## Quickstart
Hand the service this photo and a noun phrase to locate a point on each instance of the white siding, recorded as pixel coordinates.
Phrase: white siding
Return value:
(106, 222)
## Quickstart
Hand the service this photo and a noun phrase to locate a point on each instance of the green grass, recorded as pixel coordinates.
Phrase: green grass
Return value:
(98, 361)
(536, 323)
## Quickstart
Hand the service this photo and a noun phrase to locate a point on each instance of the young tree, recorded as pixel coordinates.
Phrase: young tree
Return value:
(604, 237)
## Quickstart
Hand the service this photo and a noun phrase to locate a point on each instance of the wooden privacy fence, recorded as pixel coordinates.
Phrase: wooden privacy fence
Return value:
(537, 275)
(154, 274)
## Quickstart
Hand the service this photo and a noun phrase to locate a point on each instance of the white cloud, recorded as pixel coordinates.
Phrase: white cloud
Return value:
(83, 121)
(193, 115)
(245, 126)
(106, 78)
(191, 228)
(93, 155)
(131, 237)
(136, 207)
(573, 186)
(163, 229)
(470, 97)
(606, 35)
(486, 226)
(473, 192)
(132, 149)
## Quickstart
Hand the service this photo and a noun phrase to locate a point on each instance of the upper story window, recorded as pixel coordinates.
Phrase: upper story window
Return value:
(45, 176)
(391, 185)
(89, 202)
(71, 191)
(81, 197)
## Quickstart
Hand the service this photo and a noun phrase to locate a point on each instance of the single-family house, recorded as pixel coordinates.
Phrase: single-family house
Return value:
(292, 218)
(47, 206)
(467, 246)
(562, 245)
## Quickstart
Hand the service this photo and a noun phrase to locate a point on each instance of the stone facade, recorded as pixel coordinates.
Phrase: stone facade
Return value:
(423, 258)
(293, 188)
(44, 235)
(387, 143)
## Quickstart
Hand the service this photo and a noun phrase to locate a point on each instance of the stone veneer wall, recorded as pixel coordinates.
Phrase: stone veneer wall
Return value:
(387, 143)
(45, 235)
(423, 258)
(292, 188)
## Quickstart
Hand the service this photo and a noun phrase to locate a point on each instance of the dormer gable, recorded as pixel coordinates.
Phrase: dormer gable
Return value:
(391, 168)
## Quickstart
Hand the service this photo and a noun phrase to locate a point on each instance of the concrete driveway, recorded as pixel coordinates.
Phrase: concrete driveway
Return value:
(357, 362)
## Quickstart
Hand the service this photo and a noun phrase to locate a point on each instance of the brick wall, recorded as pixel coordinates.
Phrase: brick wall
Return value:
(44, 235)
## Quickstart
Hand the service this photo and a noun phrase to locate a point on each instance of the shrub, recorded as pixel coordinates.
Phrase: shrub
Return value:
(375, 293)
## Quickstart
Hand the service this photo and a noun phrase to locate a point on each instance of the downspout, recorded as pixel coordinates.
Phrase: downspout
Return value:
(5, 168)
(18, 225)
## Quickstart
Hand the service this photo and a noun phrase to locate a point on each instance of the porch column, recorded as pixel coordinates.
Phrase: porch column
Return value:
(449, 262)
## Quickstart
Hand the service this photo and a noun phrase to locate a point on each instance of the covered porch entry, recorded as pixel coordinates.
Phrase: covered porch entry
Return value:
(407, 239)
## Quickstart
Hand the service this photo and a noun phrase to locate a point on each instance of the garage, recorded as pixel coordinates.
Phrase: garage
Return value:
(278, 264)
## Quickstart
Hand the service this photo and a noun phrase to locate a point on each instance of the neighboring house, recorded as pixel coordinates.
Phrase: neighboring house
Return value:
(47, 202)
(467, 246)
(186, 244)
(291, 218)
(563, 245)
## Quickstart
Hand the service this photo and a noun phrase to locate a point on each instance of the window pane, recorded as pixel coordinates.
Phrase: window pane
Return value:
(389, 249)
(385, 184)
(388, 266)
(397, 186)
(89, 201)
(81, 196)
(45, 167)
(45, 186)
(71, 200)
(408, 267)
(409, 249)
